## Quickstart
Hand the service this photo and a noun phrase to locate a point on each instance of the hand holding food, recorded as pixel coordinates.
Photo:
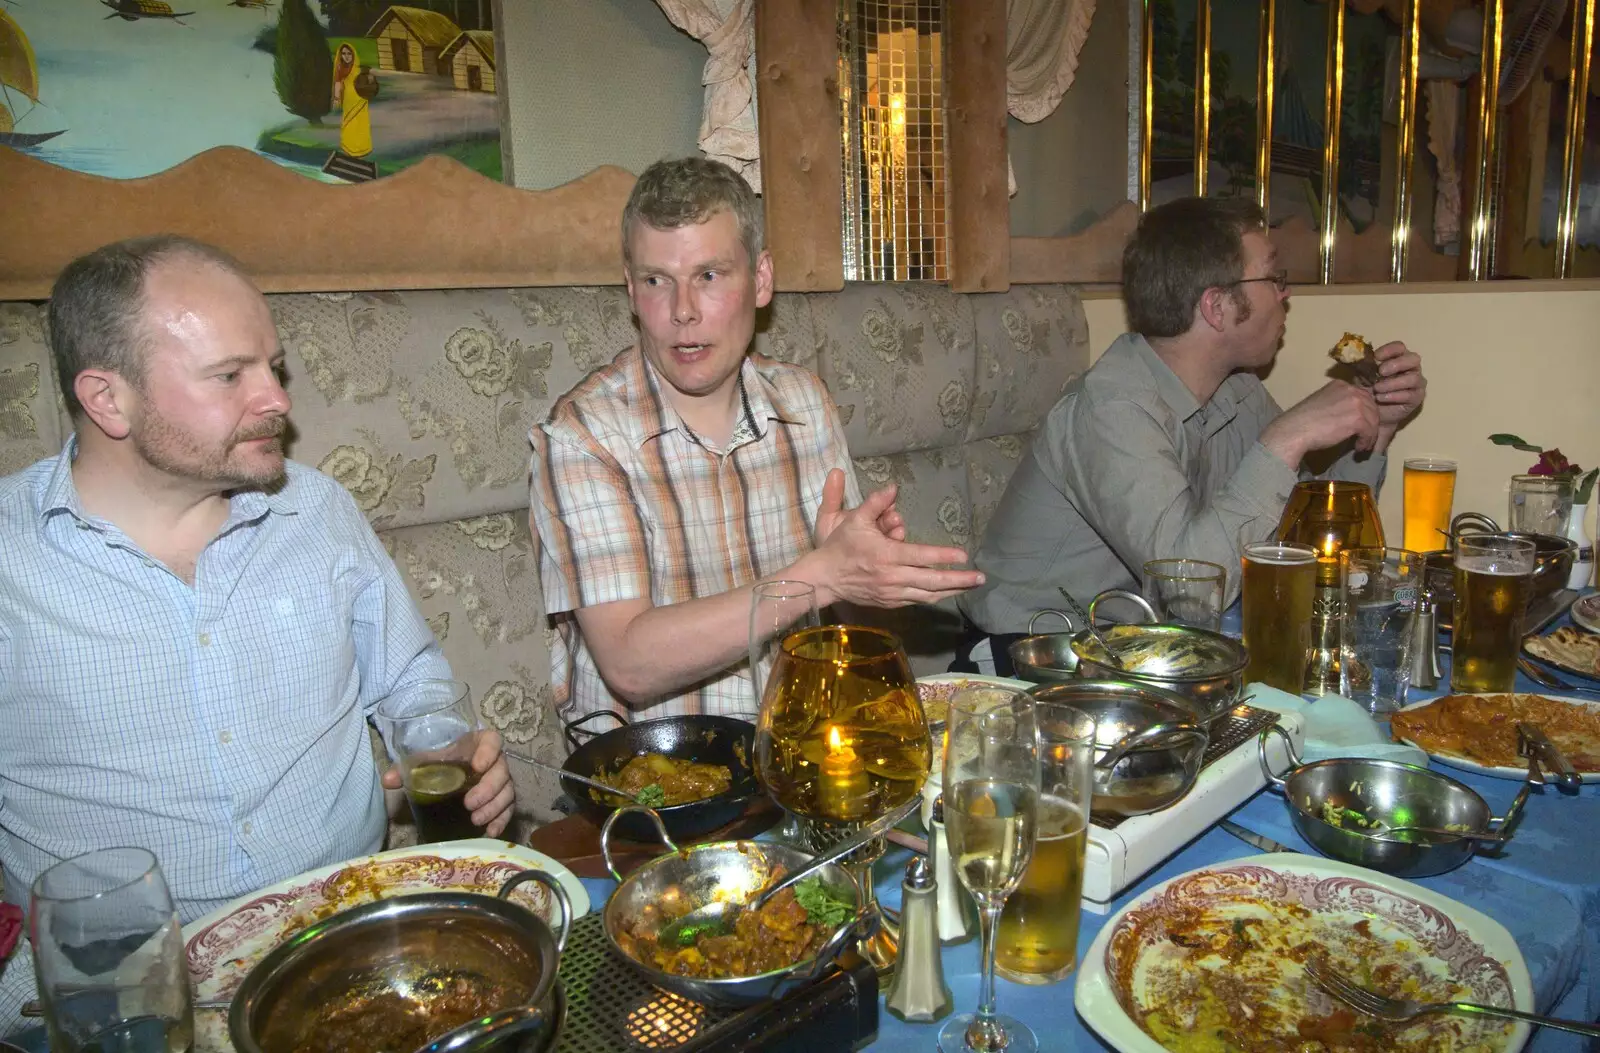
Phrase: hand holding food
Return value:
(1353, 351)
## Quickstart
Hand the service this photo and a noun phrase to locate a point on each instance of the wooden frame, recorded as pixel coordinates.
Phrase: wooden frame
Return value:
(294, 234)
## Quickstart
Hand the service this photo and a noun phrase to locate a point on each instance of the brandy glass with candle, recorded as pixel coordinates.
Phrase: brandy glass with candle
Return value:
(842, 740)
(1329, 516)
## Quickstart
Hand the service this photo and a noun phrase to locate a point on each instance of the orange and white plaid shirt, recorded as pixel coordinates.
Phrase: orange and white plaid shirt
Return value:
(627, 502)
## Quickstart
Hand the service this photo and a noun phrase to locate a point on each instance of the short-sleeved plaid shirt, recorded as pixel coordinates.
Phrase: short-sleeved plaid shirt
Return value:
(627, 502)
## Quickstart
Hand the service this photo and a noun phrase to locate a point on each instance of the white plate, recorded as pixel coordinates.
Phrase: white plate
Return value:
(1096, 998)
(226, 944)
(1516, 773)
(1586, 612)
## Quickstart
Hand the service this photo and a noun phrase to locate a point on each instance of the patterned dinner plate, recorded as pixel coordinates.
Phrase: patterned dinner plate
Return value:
(1171, 956)
(225, 945)
(1586, 612)
(1514, 772)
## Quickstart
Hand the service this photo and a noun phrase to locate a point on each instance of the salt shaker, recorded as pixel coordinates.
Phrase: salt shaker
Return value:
(957, 915)
(918, 993)
(1425, 670)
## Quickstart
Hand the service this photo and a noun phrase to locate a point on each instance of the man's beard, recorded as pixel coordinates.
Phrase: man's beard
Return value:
(175, 452)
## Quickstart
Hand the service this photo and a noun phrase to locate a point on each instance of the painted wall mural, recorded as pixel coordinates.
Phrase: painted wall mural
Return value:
(338, 89)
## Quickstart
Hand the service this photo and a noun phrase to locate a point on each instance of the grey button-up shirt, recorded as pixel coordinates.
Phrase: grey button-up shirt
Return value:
(1129, 467)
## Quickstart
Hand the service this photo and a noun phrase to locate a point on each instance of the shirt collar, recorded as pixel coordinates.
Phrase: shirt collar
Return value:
(1171, 390)
(657, 416)
(61, 495)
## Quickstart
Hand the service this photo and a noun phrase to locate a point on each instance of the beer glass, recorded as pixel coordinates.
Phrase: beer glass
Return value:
(1430, 493)
(1494, 576)
(1277, 586)
(1186, 591)
(991, 795)
(1540, 504)
(1380, 594)
(108, 954)
(1038, 938)
(432, 732)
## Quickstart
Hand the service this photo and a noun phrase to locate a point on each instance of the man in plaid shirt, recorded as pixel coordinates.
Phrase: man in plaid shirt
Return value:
(668, 483)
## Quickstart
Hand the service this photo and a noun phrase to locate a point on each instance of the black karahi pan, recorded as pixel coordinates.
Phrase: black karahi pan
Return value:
(709, 740)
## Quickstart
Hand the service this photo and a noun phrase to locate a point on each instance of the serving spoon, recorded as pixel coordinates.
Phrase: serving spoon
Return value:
(1083, 615)
(634, 798)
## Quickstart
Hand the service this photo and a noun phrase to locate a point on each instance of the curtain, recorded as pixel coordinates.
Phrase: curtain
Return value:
(1444, 121)
(728, 121)
(1043, 40)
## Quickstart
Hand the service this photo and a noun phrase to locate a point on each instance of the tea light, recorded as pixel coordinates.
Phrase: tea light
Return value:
(843, 791)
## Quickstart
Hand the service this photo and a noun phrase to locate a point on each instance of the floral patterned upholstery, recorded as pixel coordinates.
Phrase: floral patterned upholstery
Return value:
(420, 404)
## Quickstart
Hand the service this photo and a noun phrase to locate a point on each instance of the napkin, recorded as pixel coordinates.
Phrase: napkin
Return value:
(1336, 727)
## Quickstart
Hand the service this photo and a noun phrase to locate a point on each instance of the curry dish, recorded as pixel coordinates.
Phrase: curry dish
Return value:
(1483, 728)
(681, 781)
(384, 1020)
(777, 936)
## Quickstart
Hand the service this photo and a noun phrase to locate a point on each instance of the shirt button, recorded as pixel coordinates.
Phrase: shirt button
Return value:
(149, 562)
(225, 737)
(246, 828)
(205, 639)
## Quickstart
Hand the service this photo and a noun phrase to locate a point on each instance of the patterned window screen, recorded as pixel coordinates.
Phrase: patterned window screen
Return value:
(891, 88)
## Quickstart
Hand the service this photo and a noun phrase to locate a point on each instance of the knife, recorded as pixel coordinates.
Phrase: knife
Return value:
(1266, 844)
(1533, 738)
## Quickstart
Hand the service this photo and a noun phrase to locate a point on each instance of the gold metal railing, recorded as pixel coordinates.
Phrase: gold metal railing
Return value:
(1583, 13)
(1486, 134)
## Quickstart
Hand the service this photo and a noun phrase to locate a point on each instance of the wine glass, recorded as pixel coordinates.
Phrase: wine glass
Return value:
(842, 740)
(991, 796)
(777, 608)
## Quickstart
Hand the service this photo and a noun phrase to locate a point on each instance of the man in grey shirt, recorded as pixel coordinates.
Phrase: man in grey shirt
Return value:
(1170, 445)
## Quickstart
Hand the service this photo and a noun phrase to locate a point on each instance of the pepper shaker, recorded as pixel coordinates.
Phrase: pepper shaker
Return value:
(918, 993)
(1425, 669)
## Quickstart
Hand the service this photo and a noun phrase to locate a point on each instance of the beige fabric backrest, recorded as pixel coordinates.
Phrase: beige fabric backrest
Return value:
(420, 404)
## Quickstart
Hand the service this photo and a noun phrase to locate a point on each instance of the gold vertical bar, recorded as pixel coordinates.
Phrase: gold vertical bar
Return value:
(1583, 13)
(1332, 110)
(1147, 104)
(1266, 80)
(1405, 141)
(1481, 220)
(1202, 95)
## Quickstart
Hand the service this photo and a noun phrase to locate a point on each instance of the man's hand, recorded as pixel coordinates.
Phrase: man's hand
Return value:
(1328, 416)
(1400, 388)
(861, 557)
(491, 799)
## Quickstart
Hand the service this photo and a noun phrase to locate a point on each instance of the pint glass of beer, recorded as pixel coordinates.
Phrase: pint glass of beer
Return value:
(1037, 941)
(1279, 582)
(1430, 492)
(1494, 577)
(432, 732)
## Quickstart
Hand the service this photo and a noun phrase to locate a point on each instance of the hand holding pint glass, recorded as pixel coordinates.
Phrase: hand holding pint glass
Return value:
(1278, 586)
(1494, 578)
(432, 732)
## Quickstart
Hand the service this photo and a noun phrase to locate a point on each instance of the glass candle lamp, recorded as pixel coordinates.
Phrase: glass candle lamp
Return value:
(1329, 517)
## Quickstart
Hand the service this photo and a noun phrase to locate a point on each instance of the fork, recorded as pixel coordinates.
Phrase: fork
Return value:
(1400, 1010)
(1545, 678)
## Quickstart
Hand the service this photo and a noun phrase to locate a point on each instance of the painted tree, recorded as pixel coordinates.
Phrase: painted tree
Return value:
(302, 68)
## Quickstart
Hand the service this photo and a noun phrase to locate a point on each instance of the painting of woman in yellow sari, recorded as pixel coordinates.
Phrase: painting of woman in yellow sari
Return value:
(355, 120)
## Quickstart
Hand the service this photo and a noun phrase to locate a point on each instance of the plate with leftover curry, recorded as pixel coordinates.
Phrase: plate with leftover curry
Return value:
(1212, 961)
(1569, 649)
(935, 692)
(1586, 612)
(226, 944)
(1478, 733)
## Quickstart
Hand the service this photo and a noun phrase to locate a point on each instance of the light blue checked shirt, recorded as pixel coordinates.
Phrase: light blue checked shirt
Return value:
(220, 725)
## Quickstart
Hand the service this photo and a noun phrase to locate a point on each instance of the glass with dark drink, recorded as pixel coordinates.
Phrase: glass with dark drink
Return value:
(432, 731)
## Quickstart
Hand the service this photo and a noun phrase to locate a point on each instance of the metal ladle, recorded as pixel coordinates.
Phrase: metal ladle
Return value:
(585, 780)
(1083, 616)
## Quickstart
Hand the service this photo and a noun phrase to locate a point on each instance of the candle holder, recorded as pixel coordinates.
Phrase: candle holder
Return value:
(882, 949)
(842, 740)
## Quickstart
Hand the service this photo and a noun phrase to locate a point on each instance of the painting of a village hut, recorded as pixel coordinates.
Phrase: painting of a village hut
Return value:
(342, 90)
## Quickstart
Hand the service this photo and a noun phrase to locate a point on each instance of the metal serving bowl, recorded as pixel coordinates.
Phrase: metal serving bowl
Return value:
(1149, 743)
(401, 948)
(1387, 794)
(1553, 557)
(1205, 667)
(722, 872)
(1045, 658)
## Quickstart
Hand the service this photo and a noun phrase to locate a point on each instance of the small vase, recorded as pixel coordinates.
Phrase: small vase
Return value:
(1583, 565)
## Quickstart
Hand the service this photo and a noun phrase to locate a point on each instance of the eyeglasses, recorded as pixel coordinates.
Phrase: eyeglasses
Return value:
(1279, 280)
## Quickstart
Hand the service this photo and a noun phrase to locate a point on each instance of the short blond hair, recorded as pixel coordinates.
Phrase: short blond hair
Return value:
(678, 193)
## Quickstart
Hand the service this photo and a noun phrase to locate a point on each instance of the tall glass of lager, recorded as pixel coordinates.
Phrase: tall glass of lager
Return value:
(1494, 576)
(1430, 493)
(1279, 582)
(1037, 941)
